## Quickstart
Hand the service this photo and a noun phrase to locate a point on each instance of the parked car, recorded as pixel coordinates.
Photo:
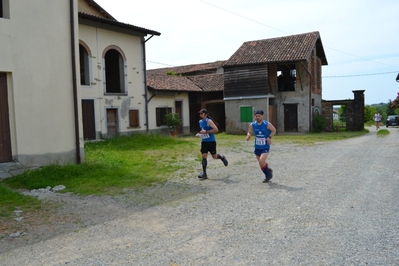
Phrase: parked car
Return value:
(392, 120)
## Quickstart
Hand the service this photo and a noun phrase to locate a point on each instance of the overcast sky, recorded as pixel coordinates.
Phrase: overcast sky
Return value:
(360, 37)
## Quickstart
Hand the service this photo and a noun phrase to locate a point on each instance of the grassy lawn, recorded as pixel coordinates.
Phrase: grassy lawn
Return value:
(382, 132)
(129, 162)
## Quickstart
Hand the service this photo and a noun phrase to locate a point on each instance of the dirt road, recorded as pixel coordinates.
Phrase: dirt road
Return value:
(331, 203)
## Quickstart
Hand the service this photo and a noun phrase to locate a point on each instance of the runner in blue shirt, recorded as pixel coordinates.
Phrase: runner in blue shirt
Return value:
(208, 143)
(263, 131)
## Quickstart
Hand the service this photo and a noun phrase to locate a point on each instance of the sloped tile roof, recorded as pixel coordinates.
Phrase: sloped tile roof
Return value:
(201, 83)
(188, 68)
(171, 83)
(211, 82)
(286, 49)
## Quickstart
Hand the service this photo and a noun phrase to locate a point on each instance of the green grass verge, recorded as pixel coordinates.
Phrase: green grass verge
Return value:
(131, 162)
(11, 200)
(382, 132)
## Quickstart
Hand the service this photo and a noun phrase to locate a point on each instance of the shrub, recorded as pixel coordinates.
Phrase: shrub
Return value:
(319, 123)
(173, 121)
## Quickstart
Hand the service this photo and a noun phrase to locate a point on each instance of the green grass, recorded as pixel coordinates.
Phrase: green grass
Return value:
(11, 200)
(113, 164)
(382, 132)
(131, 162)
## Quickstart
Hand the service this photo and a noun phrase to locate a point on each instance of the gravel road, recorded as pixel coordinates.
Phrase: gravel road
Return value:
(332, 203)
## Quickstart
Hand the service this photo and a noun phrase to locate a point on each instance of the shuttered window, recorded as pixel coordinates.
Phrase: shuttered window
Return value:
(246, 114)
(134, 118)
(160, 113)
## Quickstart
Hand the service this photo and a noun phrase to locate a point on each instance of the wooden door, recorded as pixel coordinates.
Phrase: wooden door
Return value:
(290, 118)
(5, 136)
(89, 125)
(112, 122)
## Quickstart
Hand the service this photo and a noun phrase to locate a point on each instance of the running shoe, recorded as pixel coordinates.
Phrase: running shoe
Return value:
(203, 176)
(224, 160)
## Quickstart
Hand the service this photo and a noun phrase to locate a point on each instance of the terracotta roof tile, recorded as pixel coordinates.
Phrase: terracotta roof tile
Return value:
(291, 48)
(171, 83)
(189, 68)
(201, 83)
(212, 82)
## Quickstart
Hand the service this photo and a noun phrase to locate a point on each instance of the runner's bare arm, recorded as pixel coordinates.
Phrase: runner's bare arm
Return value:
(249, 132)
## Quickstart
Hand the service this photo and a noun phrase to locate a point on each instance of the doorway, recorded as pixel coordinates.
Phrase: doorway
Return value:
(5, 136)
(89, 126)
(112, 122)
(290, 117)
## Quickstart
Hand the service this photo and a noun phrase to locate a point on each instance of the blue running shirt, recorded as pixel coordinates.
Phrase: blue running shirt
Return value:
(209, 136)
(261, 134)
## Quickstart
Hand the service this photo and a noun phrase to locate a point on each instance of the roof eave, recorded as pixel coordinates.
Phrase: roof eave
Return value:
(99, 22)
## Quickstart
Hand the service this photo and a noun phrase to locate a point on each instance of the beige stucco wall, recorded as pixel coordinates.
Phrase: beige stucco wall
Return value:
(98, 41)
(169, 101)
(35, 51)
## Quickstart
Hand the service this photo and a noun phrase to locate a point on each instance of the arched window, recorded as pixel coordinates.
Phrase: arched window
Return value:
(114, 72)
(84, 66)
(4, 8)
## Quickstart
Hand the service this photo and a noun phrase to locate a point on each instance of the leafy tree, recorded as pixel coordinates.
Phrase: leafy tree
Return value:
(342, 113)
(395, 103)
(369, 112)
(390, 108)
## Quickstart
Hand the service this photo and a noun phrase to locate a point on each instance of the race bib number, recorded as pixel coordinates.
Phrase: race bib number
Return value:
(204, 136)
(260, 141)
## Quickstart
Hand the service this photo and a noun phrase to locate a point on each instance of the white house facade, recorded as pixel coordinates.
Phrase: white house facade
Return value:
(68, 70)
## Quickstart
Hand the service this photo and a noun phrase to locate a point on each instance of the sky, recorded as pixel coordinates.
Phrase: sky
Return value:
(360, 37)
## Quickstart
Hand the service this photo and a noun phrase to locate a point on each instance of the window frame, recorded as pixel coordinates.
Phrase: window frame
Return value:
(85, 73)
(160, 113)
(134, 118)
(119, 80)
(246, 113)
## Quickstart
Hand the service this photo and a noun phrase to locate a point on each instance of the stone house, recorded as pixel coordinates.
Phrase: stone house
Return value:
(281, 75)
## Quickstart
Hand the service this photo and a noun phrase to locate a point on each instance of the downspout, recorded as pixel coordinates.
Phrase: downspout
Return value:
(74, 81)
(145, 84)
(310, 97)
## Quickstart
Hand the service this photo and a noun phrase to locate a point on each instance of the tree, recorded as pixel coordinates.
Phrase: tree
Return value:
(395, 103)
(369, 112)
(342, 113)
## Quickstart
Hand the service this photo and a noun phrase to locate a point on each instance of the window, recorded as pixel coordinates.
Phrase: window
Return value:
(134, 118)
(246, 114)
(160, 113)
(114, 72)
(286, 79)
(84, 66)
(4, 8)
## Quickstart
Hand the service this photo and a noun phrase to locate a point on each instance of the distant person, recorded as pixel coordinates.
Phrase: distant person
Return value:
(377, 120)
(208, 143)
(263, 131)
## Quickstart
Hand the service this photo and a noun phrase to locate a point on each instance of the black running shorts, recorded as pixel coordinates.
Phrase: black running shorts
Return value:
(208, 146)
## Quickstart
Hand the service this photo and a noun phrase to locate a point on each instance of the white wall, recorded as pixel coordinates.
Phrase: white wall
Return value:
(35, 50)
(99, 41)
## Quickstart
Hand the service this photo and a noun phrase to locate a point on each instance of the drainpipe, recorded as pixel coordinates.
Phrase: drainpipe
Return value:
(145, 84)
(310, 97)
(74, 82)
